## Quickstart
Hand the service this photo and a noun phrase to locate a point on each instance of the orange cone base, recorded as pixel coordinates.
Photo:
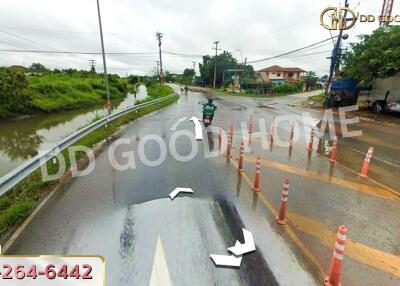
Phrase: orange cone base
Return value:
(281, 222)
(256, 190)
(326, 282)
(332, 161)
(363, 176)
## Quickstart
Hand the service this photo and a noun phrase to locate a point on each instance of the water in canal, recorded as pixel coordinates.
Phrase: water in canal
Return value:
(20, 139)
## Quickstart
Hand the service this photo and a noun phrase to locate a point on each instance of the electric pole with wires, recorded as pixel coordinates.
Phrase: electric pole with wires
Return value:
(159, 37)
(92, 66)
(336, 54)
(108, 104)
(215, 61)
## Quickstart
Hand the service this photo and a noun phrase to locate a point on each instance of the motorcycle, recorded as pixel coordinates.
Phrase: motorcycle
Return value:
(207, 119)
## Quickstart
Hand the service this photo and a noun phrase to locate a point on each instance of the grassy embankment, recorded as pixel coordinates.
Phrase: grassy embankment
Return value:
(19, 202)
(51, 93)
(54, 92)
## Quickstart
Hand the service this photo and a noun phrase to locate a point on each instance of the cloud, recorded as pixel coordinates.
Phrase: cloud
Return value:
(258, 28)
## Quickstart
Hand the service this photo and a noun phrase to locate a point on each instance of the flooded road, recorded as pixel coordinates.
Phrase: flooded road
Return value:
(21, 139)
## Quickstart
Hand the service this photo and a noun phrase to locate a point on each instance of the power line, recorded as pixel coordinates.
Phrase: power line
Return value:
(288, 53)
(76, 53)
(28, 40)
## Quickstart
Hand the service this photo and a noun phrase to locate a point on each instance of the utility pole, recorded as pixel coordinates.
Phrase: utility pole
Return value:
(215, 62)
(335, 57)
(158, 68)
(194, 67)
(104, 60)
(92, 66)
(244, 73)
(159, 37)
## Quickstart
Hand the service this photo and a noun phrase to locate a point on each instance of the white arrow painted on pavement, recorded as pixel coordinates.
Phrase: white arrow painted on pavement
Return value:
(173, 128)
(226, 260)
(246, 247)
(159, 274)
(175, 192)
(197, 127)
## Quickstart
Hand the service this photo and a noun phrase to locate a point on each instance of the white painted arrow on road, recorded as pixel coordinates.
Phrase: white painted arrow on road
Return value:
(176, 192)
(197, 127)
(246, 247)
(226, 260)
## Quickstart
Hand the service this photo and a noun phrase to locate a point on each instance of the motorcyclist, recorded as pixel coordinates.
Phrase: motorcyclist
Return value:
(209, 108)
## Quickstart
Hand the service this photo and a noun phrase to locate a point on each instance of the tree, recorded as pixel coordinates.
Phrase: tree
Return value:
(310, 79)
(188, 73)
(225, 61)
(38, 68)
(375, 56)
(13, 96)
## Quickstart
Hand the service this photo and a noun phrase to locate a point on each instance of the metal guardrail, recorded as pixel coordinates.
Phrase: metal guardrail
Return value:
(25, 169)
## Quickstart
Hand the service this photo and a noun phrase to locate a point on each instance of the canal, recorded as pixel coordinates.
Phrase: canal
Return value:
(23, 138)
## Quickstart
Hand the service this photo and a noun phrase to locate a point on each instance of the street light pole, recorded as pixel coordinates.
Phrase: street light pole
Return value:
(104, 61)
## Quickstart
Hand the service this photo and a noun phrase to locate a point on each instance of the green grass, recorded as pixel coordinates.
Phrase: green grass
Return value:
(155, 91)
(317, 98)
(19, 202)
(55, 92)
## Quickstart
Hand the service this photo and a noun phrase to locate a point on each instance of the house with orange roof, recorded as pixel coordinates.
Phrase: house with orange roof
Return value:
(279, 75)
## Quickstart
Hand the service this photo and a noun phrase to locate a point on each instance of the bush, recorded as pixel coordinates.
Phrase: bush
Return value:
(287, 88)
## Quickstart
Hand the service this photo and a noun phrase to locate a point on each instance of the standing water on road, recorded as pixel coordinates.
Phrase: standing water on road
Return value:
(23, 138)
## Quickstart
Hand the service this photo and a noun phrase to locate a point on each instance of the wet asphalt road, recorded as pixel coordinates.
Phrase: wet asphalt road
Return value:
(123, 214)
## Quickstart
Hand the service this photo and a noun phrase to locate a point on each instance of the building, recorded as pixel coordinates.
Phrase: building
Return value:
(278, 75)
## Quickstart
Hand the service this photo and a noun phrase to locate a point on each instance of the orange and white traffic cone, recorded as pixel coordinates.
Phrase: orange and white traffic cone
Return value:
(229, 147)
(272, 129)
(291, 136)
(336, 265)
(367, 159)
(311, 143)
(231, 127)
(256, 187)
(281, 219)
(219, 133)
(250, 126)
(241, 153)
(334, 151)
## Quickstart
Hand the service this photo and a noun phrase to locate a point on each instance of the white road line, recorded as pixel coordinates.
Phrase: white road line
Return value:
(173, 128)
(159, 274)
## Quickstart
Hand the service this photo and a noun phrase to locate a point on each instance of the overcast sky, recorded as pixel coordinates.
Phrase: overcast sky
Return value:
(258, 28)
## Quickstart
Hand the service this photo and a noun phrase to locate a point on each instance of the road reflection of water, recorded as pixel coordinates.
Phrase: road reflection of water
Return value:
(20, 139)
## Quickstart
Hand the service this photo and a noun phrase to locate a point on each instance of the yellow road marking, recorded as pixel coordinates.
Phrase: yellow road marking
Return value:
(288, 230)
(370, 190)
(389, 189)
(367, 255)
